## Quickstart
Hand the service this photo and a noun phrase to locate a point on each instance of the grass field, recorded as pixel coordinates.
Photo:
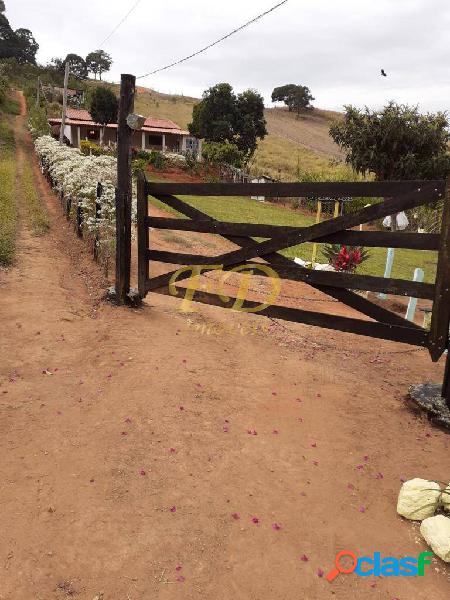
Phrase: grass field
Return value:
(244, 210)
(8, 207)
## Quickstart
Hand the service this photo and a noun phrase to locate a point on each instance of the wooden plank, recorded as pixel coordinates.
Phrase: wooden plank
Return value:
(142, 236)
(179, 258)
(320, 189)
(406, 335)
(399, 287)
(372, 239)
(123, 190)
(440, 319)
(347, 297)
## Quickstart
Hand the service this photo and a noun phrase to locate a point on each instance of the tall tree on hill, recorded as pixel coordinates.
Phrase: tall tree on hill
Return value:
(77, 66)
(297, 98)
(98, 62)
(104, 107)
(26, 46)
(396, 142)
(19, 44)
(221, 116)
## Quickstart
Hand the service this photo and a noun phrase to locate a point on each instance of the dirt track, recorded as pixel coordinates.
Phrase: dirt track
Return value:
(128, 467)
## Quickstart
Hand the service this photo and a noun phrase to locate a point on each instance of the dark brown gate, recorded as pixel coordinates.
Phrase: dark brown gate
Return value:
(385, 324)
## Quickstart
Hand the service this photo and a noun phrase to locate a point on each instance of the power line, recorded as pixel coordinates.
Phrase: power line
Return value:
(214, 43)
(119, 24)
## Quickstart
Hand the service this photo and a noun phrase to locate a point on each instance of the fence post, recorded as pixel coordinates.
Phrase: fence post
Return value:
(123, 190)
(79, 220)
(412, 304)
(143, 235)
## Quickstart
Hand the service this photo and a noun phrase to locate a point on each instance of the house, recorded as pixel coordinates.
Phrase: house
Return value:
(55, 93)
(262, 179)
(156, 134)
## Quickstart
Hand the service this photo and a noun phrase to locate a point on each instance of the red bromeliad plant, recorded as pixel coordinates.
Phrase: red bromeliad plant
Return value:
(345, 258)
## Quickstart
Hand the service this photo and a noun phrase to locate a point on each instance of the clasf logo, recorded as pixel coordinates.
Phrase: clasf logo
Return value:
(376, 566)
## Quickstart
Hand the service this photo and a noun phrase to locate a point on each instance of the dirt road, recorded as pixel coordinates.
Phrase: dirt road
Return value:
(154, 454)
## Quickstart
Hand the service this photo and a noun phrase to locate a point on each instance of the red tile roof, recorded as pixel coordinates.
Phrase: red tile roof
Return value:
(83, 117)
(79, 114)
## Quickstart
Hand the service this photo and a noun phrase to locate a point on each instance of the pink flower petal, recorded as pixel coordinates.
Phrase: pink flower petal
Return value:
(181, 407)
(172, 450)
(276, 526)
(379, 476)
(181, 579)
(350, 486)
(178, 568)
(235, 516)
(275, 431)
(304, 558)
(142, 472)
(316, 463)
(128, 420)
(314, 445)
(362, 509)
(320, 573)
(255, 520)
(173, 509)
(359, 467)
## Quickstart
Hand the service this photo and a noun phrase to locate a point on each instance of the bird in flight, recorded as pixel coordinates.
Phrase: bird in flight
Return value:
(383, 73)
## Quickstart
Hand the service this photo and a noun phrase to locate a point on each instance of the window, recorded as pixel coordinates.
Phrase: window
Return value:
(154, 140)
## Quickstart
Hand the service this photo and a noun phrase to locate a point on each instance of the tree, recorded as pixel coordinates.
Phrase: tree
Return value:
(8, 40)
(26, 46)
(77, 65)
(2, 6)
(396, 142)
(98, 62)
(104, 107)
(221, 116)
(296, 97)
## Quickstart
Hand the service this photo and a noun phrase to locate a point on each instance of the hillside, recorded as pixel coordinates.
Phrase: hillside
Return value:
(292, 144)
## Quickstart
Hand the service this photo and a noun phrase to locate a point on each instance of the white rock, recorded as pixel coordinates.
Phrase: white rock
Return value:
(446, 498)
(436, 532)
(418, 499)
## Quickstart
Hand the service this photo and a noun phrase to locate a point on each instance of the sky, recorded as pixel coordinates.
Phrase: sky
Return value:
(335, 47)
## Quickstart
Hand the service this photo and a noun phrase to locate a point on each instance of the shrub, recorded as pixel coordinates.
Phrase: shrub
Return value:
(143, 154)
(8, 208)
(91, 149)
(157, 159)
(138, 164)
(38, 122)
(222, 152)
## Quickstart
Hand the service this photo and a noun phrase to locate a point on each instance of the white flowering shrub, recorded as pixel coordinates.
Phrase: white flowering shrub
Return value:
(76, 176)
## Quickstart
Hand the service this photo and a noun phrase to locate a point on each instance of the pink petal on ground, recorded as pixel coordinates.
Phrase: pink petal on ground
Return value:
(320, 573)
(402, 479)
(366, 458)
(178, 568)
(225, 429)
(172, 450)
(184, 360)
(379, 476)
(173, 509)
(235, 516)
(350, 486)
(316, 463)
(181, 407)
(362, 509)
(276, 526)
(359, 467)
(275, 431)
(373, 584)
(142, 472)
(304, 558)
(124, 433)
(274, 393)
(128, 420)
(300, 419)
(181, 579)
(255, 520)
(314, 445)
(319, 395)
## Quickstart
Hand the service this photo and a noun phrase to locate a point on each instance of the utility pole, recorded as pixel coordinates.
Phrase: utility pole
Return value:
(63, 120)
(38, 91)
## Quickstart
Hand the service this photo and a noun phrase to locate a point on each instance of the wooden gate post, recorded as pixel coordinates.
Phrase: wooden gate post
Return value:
(123, 190)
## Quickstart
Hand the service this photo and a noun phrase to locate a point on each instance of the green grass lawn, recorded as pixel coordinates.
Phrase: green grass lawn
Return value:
(244, 210)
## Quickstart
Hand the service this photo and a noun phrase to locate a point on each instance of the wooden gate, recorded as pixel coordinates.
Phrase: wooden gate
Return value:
(401, 195)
